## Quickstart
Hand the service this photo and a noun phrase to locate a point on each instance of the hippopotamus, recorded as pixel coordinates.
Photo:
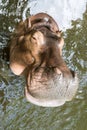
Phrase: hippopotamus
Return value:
(36, 52)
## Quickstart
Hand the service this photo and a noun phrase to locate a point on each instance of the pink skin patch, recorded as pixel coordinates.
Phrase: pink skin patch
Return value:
(17, 69)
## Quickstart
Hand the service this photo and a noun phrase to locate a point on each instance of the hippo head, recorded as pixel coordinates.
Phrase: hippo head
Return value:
(36, 52)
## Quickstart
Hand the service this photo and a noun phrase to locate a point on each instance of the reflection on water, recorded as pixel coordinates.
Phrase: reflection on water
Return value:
(15, 112)
(63, 11)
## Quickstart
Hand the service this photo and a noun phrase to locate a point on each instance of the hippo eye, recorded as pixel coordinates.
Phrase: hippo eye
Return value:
(34, 38)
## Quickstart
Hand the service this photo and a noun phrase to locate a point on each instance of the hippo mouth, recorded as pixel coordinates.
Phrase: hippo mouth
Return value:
(43, 102)
(51, 91)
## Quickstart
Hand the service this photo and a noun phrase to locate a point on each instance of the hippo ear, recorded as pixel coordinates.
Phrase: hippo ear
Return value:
(60, 41)
(60, 45)
(22, 27)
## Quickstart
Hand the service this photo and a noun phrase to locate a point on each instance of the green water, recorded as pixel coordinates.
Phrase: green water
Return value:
(18, 114)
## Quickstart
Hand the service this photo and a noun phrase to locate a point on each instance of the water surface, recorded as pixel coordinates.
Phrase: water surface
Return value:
(15, 112)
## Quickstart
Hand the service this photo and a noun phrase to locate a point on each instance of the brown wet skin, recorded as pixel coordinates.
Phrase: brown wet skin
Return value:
(36, 52)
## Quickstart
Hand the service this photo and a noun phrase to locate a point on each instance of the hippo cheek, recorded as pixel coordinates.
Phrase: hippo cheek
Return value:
(52, 93)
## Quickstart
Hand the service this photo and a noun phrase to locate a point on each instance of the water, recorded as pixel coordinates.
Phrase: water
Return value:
(15, 112)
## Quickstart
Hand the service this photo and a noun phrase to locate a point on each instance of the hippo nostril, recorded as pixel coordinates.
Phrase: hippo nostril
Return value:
(33, 59)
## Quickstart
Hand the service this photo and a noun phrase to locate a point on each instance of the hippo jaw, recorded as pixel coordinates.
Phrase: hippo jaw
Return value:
(53, 92)
(42, 102)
